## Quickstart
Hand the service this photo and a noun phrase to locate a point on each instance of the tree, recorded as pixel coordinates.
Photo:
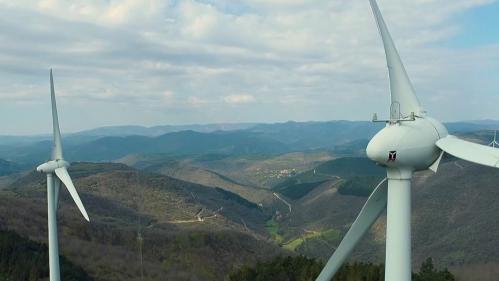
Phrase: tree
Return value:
(301, 268)
(22, 259)
(427, 272)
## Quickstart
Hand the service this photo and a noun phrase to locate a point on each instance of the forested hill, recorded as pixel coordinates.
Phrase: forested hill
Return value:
(23, 259)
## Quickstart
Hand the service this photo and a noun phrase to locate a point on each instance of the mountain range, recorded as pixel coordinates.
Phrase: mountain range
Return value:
(111, 143)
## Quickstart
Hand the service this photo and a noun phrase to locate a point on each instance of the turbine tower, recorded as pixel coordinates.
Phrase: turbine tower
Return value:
(56, 171)
(411, 141)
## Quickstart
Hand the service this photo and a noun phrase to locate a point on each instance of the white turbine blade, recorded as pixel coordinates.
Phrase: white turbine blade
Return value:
(469, 151)
(402, 92)
(367, 216)
(434, 166)
(57, 147)
(63, 175)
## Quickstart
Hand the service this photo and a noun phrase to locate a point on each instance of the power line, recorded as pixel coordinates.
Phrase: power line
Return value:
(140, 238)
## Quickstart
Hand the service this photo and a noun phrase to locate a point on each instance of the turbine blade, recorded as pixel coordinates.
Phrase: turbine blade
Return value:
(367, 216)
(469, 151)
(434, 166)
(57, 147)
(63, 175)
(403, 98)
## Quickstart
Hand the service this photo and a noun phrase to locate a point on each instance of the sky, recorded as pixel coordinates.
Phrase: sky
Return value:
(157, 62)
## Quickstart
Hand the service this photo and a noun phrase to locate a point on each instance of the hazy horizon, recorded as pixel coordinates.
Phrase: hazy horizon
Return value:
(48, 132)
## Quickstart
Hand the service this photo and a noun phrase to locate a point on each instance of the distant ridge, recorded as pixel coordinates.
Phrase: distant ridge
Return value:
(161, 130)
(111, 143)
(131, 130)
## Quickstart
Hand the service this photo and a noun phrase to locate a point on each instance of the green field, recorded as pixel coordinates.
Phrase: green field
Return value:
(330, 236)
(272, 228)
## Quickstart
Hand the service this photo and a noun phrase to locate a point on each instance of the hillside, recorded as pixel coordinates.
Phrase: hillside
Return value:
(7, 167)
(187, 172)
(337, 190)
(264, 170)
(454, 221)
(354, 175)
(190, 232)
(24, 259)
(249, 170)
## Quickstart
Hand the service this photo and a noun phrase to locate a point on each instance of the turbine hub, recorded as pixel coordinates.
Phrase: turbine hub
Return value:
(409, 145)
(51, 166)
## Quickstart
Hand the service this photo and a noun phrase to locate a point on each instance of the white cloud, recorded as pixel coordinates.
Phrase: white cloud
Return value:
(239, 99)
(197, 101)
(105, 12)
(313, 59)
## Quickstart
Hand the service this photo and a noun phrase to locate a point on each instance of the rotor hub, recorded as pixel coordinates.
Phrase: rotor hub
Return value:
(52, 165)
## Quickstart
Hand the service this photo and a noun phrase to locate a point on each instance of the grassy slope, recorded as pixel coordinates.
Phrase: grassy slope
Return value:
(263, 170)
(186, 171)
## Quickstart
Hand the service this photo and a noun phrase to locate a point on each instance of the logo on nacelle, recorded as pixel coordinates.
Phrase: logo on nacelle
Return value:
(392, 156)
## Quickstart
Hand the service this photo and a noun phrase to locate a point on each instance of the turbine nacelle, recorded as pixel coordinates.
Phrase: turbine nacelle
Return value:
(51, 166)
(408, 145)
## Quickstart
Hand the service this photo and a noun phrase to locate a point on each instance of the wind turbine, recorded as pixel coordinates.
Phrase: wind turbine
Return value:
(411, 141)
(57, 166)
(494, 143)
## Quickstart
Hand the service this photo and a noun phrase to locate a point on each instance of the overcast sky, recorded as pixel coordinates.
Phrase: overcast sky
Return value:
(154, 62)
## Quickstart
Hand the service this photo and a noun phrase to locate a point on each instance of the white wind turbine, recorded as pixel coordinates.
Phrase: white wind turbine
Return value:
(57, 166)
(411, 141)
(494, 143)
